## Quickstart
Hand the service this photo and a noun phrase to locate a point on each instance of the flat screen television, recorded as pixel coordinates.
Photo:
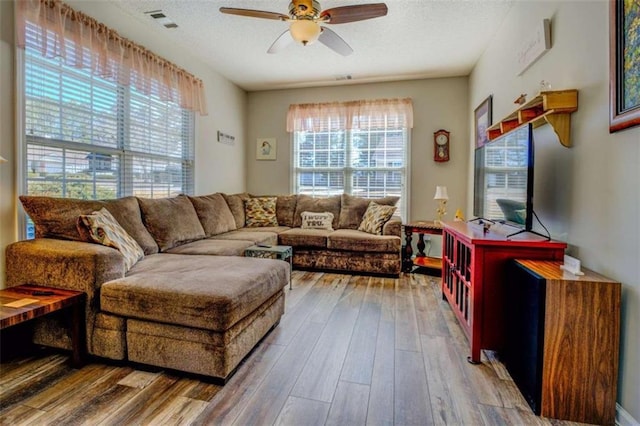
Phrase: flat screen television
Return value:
(503, 183)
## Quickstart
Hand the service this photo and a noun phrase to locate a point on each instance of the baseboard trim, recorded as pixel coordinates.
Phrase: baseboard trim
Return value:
(623, 418)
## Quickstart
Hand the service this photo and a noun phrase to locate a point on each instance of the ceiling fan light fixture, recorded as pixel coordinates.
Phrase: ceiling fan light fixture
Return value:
(305, 31)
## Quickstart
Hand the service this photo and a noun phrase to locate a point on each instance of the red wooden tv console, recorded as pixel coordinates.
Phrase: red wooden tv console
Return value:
(473, 277)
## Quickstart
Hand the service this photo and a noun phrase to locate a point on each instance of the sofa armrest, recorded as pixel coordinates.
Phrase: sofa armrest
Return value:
(393, 227)
(71, 265)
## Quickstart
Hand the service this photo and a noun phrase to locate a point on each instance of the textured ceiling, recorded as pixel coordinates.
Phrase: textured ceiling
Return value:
(417, 39)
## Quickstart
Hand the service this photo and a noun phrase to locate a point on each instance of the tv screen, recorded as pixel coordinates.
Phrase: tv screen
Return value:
(503, 183)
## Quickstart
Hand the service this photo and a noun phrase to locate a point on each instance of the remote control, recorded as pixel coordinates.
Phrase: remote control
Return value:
(264, 245)
(42, 293)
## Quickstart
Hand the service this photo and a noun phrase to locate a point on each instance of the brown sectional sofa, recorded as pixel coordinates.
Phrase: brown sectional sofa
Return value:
(193, 303)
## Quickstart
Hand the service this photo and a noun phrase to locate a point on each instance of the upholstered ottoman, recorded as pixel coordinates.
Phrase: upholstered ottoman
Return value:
(200, 314)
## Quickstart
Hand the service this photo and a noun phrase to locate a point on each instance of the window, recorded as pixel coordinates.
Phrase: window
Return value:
(91, 138)
(369, 160)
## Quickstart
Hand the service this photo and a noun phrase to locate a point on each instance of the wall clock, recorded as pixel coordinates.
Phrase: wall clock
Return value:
(441, 146)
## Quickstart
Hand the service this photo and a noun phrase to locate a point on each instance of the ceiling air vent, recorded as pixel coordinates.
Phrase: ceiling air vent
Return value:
(162, 19)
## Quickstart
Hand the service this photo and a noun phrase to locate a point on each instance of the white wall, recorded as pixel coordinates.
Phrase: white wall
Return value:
(219, 167)
(438, 104)
(591, 195)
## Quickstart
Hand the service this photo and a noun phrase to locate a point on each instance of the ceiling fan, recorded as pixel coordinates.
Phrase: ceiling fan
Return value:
(305, 17)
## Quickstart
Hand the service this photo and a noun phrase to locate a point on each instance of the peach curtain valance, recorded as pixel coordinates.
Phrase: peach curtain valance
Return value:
(56, 30)
(363, 114)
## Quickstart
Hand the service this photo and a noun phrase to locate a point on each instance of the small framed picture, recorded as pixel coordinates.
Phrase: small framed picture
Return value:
(482, 121)
(266, 149)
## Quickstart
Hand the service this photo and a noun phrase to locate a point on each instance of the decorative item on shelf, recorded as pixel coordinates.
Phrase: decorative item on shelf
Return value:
(442, 197)
(553, 107)
(459, 216)
(266, 149)
(520, 100)
(441, 146)
(545, 86)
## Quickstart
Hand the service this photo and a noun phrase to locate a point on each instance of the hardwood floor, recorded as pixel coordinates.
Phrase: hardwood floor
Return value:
(349, 350)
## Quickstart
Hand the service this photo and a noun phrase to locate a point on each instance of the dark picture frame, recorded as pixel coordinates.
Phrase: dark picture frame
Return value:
(482, 120)
(624, 66)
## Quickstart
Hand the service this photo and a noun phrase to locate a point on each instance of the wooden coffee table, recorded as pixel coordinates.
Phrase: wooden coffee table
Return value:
(26, 302)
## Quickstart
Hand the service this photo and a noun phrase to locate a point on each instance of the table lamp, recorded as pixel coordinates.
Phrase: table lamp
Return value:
(442, 197)
(2, 159)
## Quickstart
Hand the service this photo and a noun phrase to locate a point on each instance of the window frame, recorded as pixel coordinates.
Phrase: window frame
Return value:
(126, 183)
(348, 170)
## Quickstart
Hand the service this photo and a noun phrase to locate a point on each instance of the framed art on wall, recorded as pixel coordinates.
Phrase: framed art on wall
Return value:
(266, 149)
(482, 120)
(624, 64)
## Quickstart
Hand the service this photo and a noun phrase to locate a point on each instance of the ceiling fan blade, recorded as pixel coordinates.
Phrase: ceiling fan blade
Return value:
(254, 13)
(334, 42)
(357, 12)
(281, 42)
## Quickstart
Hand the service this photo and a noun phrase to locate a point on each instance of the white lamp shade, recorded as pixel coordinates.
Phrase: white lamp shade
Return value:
(441, 193)
(2, 159)
(304, 31)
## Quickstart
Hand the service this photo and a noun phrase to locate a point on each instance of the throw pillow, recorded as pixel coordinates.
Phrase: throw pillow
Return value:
(260, 211)
(353, 208)
(313, 220)
(375, 217)
(105, 229)
(307, 203)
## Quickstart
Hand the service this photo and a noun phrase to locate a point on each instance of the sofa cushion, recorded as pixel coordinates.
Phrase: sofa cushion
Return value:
(306, 203)
(352, 209)
(286, 209)
(213, 246)
(207, 292)
(260, 211)
(171, 221)
(105, 230)
(375, 217)
(236, 204)
(312, 220)
(248, 234)
(275, 229)
(214, 214)
(353, 240)
(298, 237)
(58, 218)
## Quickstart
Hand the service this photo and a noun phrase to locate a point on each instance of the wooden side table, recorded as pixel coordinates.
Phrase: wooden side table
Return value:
(273, 252)
(421, 228)
(26, 302)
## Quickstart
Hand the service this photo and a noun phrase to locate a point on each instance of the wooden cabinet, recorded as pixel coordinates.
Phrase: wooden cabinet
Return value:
(563, 340)
(473, 272)
(550, 107)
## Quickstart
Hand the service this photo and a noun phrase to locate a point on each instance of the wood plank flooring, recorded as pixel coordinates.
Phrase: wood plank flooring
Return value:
(350, 350)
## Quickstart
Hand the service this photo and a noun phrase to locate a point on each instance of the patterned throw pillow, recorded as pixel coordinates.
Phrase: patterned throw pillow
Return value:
(105, 229)
(260, 211)
(375, 217)
(312, 220)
